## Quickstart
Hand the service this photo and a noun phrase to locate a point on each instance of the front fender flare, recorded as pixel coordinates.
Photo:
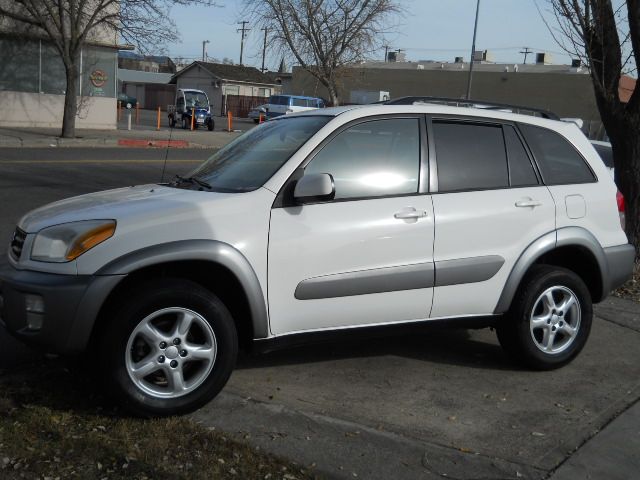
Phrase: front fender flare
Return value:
(207, 250)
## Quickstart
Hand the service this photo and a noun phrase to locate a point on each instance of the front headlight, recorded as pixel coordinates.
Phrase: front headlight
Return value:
(66, 242)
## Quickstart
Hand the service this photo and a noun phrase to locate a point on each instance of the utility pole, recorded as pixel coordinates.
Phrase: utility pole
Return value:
(526, 52)
(473, 51)
(244, 29)
(204, 54)
(264, 47)
(386, 52)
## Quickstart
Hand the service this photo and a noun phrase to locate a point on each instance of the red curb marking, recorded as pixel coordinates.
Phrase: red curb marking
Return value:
(130, 142)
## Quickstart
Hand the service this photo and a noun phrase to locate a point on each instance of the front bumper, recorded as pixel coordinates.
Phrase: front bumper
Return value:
(66, 307)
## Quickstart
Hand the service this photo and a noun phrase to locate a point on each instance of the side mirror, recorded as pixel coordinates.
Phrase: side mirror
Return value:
(314, 187)
(263, 110)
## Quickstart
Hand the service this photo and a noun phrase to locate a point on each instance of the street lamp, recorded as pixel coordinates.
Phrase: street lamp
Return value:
(204, 55)
(473, 51)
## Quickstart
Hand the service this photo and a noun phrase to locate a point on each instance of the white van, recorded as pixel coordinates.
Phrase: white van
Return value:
(285, 104)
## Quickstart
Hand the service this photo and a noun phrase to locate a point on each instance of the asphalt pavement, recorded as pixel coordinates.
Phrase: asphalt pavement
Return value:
(440, 403)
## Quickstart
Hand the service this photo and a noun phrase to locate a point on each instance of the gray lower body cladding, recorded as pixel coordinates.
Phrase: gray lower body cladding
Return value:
(70, 307)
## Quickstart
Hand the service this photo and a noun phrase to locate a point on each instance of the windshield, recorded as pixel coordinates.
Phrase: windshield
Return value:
(195, 99)
(251, 159)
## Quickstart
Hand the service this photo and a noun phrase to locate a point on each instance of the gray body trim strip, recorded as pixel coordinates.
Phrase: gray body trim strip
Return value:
(202, 250)
(620, 260)
(377, 280)
(467, 270)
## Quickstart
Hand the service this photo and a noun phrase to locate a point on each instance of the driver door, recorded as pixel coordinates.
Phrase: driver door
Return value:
(366, 256)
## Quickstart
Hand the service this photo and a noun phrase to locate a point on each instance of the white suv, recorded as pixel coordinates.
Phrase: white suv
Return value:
(332, 221)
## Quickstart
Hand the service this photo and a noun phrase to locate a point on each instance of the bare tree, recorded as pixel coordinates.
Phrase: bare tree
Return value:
(608, 40)
(324, 35)
(71, 24)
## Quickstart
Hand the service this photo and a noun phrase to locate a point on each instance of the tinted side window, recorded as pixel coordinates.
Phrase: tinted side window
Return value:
(372, 159)
(521, 172)
(559, 161)
(470, 156)
(299, 102)
(606, 154)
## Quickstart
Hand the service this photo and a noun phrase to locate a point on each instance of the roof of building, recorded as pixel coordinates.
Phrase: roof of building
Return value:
(477, 67)
(235, 73)
(137, 76)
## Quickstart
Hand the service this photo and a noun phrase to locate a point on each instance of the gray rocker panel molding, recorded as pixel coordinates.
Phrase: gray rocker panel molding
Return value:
(202, 250)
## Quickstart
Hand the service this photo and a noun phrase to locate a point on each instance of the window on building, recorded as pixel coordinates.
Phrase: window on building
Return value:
(470, 156)
(372, 159)
(559, 162)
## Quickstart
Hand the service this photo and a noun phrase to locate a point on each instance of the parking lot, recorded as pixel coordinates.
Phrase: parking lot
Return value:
(420, 406)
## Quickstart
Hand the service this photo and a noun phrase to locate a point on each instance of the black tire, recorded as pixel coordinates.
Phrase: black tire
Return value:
(210, 124)
(256, 120)
(185, 123)
(525, 340)
(172, 122)
(143, 303)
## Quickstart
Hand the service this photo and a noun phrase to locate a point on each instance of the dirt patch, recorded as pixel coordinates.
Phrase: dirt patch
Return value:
(55, 424)
(631, 289)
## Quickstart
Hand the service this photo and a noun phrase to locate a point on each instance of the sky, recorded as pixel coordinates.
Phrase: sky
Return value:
(429, 30)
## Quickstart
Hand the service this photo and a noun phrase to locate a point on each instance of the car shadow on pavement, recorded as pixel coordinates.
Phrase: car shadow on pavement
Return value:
(459, 347)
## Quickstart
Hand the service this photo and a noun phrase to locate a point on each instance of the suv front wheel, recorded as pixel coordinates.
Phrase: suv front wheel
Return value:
(549, 320)
(170, 349)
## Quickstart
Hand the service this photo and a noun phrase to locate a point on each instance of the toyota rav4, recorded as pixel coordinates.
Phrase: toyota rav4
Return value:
(330, 221)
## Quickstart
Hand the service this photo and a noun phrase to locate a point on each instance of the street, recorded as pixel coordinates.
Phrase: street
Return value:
(439, 402)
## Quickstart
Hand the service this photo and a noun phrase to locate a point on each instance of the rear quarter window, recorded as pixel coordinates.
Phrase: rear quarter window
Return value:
(559, 161)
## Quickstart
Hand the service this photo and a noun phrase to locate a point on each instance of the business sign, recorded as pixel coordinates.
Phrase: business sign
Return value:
(98, 78)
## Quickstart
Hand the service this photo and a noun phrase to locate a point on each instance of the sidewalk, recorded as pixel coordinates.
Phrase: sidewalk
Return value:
(292, 420)
(142, 137)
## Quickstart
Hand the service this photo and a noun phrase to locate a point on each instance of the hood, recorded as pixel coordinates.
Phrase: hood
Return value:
(123, 205)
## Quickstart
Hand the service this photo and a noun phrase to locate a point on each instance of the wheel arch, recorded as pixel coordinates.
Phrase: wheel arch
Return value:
(574, 248)
(215, 265)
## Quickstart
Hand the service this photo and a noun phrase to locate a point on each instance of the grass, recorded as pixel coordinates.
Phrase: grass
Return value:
(54, 425)
(631, 289)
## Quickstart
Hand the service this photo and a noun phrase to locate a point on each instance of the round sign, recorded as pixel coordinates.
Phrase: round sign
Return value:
(98, 78)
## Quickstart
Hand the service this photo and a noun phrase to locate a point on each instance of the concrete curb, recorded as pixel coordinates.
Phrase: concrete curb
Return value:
(132, 142)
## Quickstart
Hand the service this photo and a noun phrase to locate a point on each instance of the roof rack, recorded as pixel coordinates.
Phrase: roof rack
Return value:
(460, 102)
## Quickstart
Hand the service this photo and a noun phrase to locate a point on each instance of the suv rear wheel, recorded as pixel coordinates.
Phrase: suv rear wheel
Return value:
(549, 320)
(170, 349)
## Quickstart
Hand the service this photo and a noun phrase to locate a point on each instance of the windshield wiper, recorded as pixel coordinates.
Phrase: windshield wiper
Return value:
(193, 180)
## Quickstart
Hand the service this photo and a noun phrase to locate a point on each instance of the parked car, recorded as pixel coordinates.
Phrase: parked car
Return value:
(329, 222)
(286, 104)
(255, 113)
(190, 102)
(126, 101)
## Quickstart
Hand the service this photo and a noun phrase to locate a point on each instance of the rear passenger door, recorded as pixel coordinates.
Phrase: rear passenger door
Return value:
(489, 205)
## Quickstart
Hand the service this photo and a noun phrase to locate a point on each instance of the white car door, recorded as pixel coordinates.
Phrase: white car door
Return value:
(365, 257)
(490, 206)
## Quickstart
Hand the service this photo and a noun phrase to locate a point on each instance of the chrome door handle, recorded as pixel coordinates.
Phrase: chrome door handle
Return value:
(528, 203)
(410, 214)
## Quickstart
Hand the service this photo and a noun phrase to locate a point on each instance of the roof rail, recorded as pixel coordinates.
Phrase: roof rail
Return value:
(461, 102)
